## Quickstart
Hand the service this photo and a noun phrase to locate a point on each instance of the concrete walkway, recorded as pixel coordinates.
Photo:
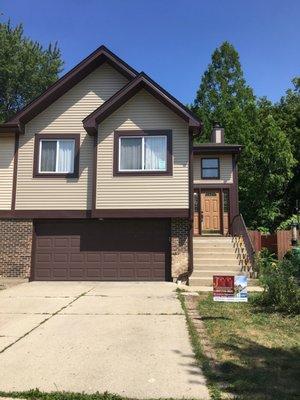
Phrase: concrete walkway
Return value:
(124, 338)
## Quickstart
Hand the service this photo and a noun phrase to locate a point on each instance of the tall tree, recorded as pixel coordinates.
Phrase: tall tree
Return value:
(26, 69)
(287, 115)
(223, 92)
(266, 162)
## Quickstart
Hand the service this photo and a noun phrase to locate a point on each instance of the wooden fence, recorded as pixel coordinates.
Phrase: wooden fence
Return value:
(278, 243)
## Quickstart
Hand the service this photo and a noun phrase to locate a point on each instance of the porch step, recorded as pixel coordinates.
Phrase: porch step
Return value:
(212, 238)
(213, 250)
(214, 255)
(215, 245)
(209, 281)
(215, 262)
(213, 268)
(209, 273)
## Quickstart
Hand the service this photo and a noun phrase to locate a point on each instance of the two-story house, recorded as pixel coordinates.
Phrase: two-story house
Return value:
(99, 180)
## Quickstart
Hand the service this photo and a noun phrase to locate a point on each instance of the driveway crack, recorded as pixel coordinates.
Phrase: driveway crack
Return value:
(45, 320)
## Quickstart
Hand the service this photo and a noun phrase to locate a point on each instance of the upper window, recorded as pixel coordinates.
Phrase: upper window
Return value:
(210, 168)
(143, 154)
(56, 156)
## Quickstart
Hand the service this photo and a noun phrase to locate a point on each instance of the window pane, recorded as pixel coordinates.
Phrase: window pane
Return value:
(131, 154)
(210, 163)
(48, 155)
(225, 201)
(210, 173)
(65, 162)
(155, 153)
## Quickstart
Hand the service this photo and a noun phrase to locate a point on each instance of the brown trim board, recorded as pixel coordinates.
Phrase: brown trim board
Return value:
(108, 213)
(163, 132)
(191, 205)
(94, 184)
(53, 136)
(36, 214)
(142, 213)
(15, 172)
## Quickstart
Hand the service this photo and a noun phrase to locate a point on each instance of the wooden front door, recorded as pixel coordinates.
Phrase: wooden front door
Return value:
(210, 211)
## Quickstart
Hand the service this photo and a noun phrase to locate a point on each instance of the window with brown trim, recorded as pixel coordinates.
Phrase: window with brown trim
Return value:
(56, 156)
(143, 152)
(210, 168)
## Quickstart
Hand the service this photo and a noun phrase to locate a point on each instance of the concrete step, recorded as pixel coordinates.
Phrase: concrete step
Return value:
(209, 282)
(204, 281)
(214, 256)
(214, 250)
(201, 245)
(212, 239)
(215, 262)
(200, 281)
(223, 268)
(209, 274)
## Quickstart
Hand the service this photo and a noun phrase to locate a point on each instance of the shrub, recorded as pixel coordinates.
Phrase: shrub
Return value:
(280, 280)
(287, 224)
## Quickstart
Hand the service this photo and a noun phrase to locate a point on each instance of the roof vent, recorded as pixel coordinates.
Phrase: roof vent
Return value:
(217, 134)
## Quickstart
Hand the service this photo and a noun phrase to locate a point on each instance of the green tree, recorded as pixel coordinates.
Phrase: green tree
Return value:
(223, 95)
(267, 172)
(26, 69)
(266, 163)
(287, 114)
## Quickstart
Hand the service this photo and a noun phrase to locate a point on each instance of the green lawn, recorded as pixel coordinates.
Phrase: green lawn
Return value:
(258, 353)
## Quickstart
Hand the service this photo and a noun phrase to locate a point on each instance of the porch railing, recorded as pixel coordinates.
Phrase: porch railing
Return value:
(244, 244)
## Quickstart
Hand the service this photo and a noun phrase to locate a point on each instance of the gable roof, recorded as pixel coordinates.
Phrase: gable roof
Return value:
(142, 81)
(65, 83)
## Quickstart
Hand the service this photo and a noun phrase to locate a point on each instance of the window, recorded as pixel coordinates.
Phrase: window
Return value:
(143, 153)
(210, 168)
(225, 201)
(56, 156)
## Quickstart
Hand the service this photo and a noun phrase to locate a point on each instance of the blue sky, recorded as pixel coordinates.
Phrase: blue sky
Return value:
(172, 40)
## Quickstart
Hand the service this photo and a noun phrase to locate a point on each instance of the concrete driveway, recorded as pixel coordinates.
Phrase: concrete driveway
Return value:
(124, 338)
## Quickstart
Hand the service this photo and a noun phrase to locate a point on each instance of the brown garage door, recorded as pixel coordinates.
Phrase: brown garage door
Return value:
(108, 250)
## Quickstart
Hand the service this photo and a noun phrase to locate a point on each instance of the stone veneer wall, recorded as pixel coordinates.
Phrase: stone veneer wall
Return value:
(15, 247)
(180, 228)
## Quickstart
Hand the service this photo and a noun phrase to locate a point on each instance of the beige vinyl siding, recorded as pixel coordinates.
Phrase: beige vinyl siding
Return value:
(143, 112)
(65, 116)
(7, 148)
(226, 173)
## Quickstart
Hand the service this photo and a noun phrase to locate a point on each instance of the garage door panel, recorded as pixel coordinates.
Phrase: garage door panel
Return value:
(93, 273)
(43, 273)
(60, 258)
(76, 272)
(102, 250)
(127, 257)
(45, 243)
(43, 257)
(60, 272)
(61, 242)
(110, 273)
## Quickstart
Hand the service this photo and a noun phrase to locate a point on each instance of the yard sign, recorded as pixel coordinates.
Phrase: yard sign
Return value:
(230, 288)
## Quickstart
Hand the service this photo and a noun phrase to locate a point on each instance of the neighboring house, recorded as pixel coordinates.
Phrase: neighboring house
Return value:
(96, 180)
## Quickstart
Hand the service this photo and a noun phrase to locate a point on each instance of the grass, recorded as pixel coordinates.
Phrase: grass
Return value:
(258, 352)
(200, 356)
(38, 395)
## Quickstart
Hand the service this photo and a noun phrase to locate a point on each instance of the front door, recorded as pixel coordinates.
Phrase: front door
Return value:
(210, 212)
